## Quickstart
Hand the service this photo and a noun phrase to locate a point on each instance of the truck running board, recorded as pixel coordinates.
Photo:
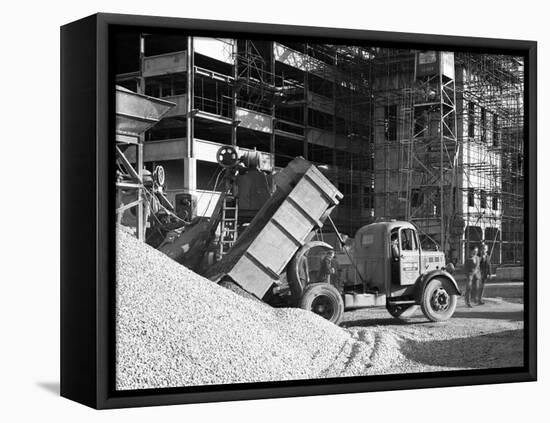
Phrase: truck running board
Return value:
(364, 300)
(399, 302)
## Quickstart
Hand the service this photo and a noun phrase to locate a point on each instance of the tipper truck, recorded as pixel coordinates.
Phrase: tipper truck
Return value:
(277, 257)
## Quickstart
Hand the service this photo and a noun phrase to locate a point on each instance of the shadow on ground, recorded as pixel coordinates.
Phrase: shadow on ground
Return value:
(360, 318)
(495, 350)
(390, 321)
(512, 316)
(51, 387)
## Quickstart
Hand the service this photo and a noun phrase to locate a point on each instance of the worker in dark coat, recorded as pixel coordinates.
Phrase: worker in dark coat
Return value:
(327, 270)
(471, 268)
(485, 271)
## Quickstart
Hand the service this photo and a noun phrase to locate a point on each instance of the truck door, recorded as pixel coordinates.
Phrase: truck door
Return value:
(410, 256)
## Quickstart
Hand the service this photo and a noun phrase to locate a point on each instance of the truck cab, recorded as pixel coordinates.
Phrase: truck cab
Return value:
(390, 258)
(390, 262)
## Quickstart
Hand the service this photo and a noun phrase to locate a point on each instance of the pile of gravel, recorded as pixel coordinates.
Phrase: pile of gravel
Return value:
(176, 328)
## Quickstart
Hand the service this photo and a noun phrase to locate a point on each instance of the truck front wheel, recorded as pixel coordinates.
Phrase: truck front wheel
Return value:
(438, 302)
(325, 300)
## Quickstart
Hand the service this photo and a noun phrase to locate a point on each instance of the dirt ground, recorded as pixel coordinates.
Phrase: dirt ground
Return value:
(485, 336)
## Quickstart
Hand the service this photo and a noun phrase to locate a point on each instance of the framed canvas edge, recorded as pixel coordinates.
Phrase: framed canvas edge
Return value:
(254, 28)
(399, 383)
(78, 243)
(104, 397)
(531, 214)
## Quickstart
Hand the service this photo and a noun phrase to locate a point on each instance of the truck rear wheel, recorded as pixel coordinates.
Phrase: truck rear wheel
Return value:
(325, 300)
(401, 311)
(438, 302)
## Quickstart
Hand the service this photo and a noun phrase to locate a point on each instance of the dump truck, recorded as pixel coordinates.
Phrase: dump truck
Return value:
(383, 265)
(277, 257)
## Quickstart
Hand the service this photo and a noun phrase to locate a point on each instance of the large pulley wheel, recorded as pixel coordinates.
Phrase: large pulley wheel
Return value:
(438, 301)
(402, 311)
(159, 176)
(325, 300)
(227, 156)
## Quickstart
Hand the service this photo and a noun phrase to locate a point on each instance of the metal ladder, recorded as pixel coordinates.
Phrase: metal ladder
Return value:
(229, 220)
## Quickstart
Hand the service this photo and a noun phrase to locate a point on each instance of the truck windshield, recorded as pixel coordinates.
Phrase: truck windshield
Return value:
(428, 244)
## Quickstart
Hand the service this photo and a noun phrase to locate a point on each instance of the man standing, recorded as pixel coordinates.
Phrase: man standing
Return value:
(485, 270)
(471, 267)
(327, 268)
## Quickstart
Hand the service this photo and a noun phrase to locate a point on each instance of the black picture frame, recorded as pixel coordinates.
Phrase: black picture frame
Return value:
(87, 223)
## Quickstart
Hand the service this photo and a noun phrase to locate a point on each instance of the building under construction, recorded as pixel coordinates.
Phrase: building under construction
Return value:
(435, 138)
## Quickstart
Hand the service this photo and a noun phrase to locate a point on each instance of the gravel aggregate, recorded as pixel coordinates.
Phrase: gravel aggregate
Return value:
(175, 328)
(488, 336)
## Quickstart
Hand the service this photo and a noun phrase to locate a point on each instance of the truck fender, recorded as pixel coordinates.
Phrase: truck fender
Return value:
(440, 274)
(293, 269)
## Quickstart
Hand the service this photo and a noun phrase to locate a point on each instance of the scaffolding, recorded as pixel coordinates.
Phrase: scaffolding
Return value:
(393, 92)
(321, 108)
(432, 137)
(492, 90)
(449, 148)
(343, 90)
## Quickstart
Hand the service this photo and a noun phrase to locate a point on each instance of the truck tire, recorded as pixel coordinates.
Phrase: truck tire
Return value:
(438, 304)
(402, 311)
(325, 300)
